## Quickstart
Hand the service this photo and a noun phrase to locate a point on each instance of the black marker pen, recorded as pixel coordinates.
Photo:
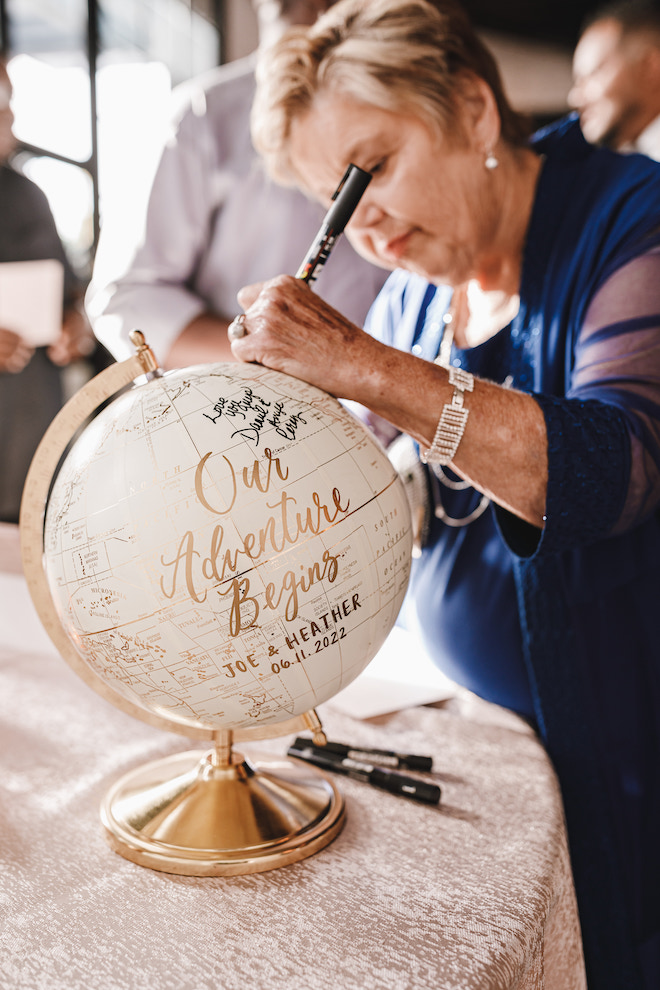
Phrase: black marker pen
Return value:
(385, 757)
(388, 780)
(345, 198)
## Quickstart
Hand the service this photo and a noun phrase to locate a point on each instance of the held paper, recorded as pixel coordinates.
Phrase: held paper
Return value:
(31, 295)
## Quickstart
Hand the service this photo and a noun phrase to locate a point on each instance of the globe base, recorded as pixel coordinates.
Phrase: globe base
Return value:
(193, 815)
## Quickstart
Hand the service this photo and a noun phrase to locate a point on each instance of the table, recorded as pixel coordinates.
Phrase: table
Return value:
(474, 893)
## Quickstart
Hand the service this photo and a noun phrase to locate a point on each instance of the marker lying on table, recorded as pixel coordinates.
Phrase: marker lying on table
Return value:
(384, 757)
(388, 780)
(345, 198)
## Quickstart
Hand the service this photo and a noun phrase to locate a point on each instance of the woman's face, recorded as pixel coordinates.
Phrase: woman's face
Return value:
(431, 206)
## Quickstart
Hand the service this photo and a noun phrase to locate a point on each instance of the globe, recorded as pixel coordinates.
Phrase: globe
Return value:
(226, 546)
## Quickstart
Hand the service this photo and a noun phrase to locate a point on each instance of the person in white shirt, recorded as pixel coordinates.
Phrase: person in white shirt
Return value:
(215, 223)
(616, 77)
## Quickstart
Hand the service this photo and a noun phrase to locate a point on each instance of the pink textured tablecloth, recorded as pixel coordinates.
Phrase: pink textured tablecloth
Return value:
(475, 893)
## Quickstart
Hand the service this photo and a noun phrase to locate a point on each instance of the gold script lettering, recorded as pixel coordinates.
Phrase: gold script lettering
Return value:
(256, 481)
(290, 584)
(284, 527)
(199, 487)
(238, 589)
(185, 553)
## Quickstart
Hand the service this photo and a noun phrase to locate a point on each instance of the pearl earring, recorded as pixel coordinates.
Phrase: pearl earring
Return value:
(491, 161)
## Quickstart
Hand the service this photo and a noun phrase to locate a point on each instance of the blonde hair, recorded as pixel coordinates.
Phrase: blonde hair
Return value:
(400, 55)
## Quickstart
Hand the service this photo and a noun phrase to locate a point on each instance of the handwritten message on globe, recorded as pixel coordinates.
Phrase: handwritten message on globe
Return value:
(227, 546)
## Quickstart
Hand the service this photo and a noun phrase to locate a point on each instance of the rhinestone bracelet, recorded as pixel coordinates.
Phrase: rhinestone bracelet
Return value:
(451, 425)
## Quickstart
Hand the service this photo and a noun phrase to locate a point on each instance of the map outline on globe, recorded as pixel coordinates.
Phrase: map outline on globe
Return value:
(228, 482)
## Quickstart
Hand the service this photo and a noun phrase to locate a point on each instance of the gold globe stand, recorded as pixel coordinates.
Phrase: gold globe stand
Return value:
(219, 814)
(200, 813)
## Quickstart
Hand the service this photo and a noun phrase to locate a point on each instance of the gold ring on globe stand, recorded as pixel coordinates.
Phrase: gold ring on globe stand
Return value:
(198, 813)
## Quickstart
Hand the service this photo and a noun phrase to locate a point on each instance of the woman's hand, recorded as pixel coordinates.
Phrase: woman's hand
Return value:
(75, 341)
(503, 452)
(15, 353)
(291, 329)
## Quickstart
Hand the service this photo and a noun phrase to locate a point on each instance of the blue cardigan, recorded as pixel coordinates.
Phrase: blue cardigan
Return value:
(586, 605)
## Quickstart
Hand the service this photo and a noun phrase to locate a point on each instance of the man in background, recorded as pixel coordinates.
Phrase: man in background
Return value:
(30, 378)
(616, 77)
(214, 223)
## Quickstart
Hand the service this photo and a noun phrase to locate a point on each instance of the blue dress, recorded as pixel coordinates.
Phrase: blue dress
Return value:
(563, 625)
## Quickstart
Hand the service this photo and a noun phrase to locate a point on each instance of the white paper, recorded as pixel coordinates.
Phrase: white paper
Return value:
(400, 676)
(31, 295)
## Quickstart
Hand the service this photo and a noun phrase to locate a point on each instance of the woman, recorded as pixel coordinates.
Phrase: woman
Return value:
(539, 260)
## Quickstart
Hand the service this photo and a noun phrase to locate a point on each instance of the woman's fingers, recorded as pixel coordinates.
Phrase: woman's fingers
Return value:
(15, 354)
(291, 329)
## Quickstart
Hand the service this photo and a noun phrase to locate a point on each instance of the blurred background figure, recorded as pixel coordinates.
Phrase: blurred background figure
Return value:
(616, 77)
(31, 384)
(215, 222)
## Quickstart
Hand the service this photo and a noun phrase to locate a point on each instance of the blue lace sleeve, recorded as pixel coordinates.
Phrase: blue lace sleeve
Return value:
(604, 436)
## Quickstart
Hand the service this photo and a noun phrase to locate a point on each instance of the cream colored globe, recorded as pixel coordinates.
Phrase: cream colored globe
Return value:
(227, 547)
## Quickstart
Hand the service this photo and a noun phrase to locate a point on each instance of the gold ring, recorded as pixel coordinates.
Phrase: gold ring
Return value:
(237, 328)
